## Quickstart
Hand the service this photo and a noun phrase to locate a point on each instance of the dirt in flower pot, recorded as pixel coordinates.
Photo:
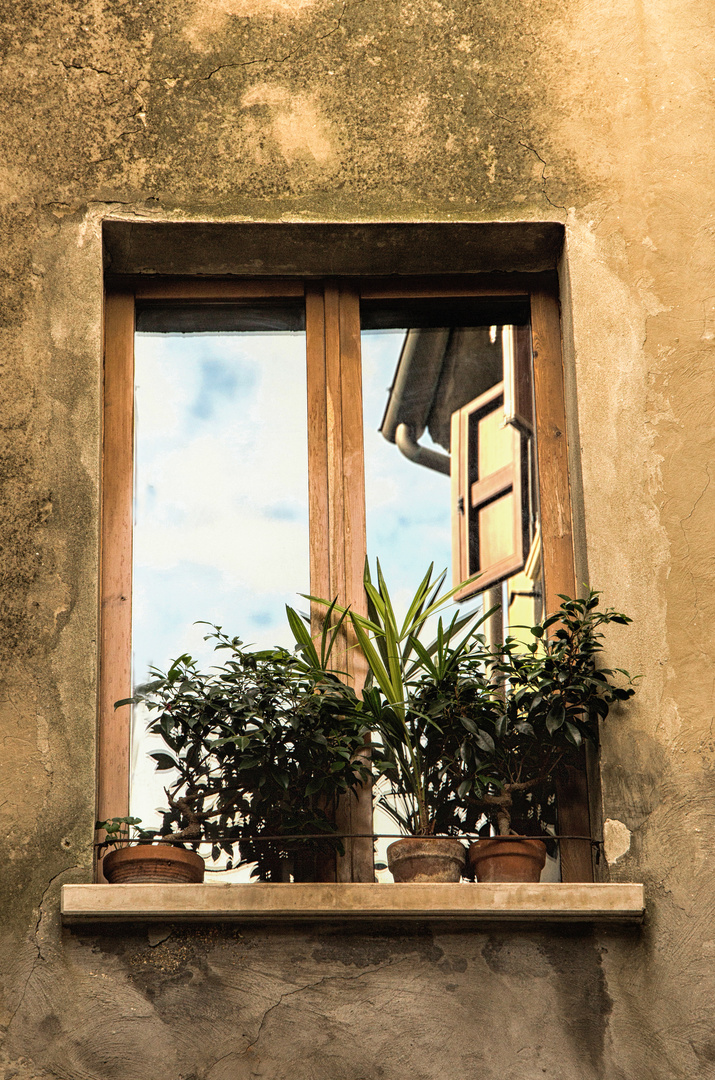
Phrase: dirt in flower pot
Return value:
(153, 864)
(425, 860)
(502, 858)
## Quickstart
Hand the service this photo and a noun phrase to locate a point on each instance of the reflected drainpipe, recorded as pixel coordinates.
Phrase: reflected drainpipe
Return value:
(494, 626)
(421, 455)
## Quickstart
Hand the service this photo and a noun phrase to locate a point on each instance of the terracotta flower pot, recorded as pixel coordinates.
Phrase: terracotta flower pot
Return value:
(498, 858)
(417, 859)
(153, 863)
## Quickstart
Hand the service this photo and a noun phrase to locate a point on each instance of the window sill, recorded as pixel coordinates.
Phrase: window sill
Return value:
(464, 903)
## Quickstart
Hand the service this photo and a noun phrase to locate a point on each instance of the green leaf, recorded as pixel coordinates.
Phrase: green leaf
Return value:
(573, 734)
(302, 636)
(485, 742)
(378, 669)
(555, 718)
(414, 609)
(164, 761)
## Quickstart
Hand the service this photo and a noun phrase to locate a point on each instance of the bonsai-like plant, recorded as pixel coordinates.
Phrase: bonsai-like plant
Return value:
(548, 698)
(262, 745)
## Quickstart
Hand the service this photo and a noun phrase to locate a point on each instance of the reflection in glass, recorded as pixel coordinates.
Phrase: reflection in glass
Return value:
(407, 508)
(221, 505)
(449, 445)
(416, 379)
(449, 455)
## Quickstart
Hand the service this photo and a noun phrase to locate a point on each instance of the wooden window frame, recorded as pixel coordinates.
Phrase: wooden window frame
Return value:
(336, 489)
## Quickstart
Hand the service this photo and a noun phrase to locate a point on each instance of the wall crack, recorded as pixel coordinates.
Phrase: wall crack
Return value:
(312, 986)
(278, 60)
(86, 67)
(527, 146)
(33, 938)
(700, 496)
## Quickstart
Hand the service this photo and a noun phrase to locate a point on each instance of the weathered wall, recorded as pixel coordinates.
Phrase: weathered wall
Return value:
(597, 114)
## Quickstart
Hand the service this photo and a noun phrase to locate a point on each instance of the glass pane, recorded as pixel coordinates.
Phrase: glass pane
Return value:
(494, 443)
(221, 499)
(407, 508)
(417, 372)
(496, 529)
(425, 364)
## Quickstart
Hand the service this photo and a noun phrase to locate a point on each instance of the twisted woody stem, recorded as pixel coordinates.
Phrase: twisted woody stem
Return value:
(503, 802)
(195, 818)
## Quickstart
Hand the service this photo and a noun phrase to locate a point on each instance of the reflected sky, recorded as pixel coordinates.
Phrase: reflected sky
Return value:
(221, 503)
(221, 489)
(407, 505)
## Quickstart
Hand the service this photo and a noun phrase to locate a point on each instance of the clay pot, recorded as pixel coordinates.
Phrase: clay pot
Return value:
(417, 859)
(500, 858)
(153, 864)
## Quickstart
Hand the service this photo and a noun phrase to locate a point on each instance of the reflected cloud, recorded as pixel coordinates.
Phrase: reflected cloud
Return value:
(221, 525)
(219, 383)
(262, 618)
(283, 512)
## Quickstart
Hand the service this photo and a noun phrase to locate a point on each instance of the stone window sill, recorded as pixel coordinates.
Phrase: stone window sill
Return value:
(268, 903)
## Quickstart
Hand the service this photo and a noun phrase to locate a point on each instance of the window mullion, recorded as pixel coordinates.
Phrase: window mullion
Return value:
(354, 814)
(552, 451)
(337, 505)
(318, 474)
(335, 447)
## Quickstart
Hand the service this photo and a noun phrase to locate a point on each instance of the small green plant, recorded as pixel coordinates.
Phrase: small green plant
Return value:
(123, 830)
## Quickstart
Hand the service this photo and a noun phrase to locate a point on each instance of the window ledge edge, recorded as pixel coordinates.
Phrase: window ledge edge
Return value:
(602, 902)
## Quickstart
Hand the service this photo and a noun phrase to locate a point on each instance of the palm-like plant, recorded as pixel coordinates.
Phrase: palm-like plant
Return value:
(429, 706)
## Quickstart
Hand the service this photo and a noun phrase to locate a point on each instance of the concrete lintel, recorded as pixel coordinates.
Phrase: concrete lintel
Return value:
(330, 248)
(256, 902)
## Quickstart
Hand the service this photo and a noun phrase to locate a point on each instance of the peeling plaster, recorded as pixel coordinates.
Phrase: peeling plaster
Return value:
(616, 840)
(212, 17)
(296, 124)
(335, 110)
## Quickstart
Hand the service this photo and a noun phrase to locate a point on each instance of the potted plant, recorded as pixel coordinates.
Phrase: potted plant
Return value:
(143, 856)
(549, 695)
(471, 740)
(261, 747)
(421, 702)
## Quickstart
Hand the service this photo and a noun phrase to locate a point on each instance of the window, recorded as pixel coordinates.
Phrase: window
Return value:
(468, 426)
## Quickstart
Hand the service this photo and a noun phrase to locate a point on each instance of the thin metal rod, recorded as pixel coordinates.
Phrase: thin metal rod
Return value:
(346, 836)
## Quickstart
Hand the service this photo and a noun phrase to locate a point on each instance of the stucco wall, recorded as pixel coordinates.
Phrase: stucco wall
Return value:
(595, 114)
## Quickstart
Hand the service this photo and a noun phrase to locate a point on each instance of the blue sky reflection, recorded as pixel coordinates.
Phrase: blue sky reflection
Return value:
(221, 502)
